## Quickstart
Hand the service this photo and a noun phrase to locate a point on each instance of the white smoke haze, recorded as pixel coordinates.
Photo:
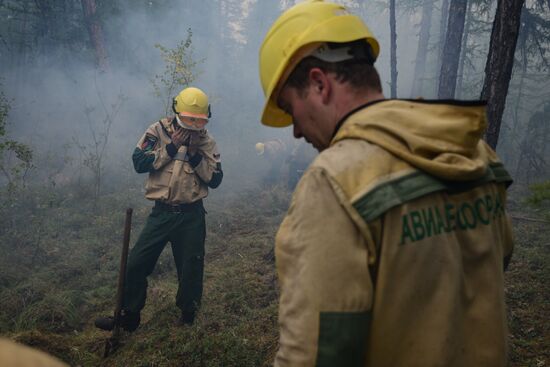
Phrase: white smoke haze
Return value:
(49, 99)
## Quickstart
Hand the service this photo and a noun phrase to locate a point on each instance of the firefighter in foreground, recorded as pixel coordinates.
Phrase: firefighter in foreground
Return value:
(183, 162)
(393, 249)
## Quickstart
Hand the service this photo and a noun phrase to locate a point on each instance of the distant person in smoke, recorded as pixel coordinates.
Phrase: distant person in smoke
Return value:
(393, 249)
(274, 153)
(300, 158)
(183, 161)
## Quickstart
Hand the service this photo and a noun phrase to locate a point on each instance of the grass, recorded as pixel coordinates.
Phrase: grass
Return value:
(527, 283)
(60, 264)
(62, 275)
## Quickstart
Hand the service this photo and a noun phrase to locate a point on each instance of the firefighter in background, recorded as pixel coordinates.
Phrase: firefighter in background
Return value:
(393, 249)
(274, 153)
(300, 158)
(182, 161)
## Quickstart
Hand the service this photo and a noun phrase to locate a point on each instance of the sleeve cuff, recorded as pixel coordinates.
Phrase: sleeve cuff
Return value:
(171, 150)
(195, 160)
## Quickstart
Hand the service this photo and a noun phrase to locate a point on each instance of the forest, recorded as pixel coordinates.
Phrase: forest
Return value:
(80, 82)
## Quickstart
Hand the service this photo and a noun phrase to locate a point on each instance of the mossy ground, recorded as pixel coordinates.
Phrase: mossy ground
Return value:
(60, 256)
(527, 283)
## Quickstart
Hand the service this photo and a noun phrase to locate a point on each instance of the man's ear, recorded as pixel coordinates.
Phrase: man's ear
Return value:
(320, 83)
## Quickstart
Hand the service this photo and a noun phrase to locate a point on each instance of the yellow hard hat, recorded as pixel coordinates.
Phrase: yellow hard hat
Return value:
(192, 102)
(297, 33)
(192, 108)
(260, 148)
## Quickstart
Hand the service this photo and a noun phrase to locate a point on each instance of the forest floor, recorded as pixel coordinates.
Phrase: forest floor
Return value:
(59, 263)
(527, 284)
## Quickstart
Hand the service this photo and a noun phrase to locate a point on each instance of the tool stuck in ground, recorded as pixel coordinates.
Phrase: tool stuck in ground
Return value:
(114, 324)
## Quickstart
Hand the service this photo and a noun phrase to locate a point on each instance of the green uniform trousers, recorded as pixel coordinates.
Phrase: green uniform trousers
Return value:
(186, 231)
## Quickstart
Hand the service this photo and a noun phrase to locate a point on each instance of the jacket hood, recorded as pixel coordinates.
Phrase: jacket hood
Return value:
(442, 138)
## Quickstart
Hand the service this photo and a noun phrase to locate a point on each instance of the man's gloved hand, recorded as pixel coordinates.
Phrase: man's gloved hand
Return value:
(181, 137)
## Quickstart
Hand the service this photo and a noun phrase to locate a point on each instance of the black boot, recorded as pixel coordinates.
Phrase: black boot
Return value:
(105, 323)
(129, 321)
(186, 318)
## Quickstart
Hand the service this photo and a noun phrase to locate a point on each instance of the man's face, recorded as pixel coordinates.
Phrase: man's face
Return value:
(303, 109)
(192, 123)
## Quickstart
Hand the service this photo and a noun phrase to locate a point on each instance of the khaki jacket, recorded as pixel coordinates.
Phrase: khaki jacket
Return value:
(176, 180)
(392, 250)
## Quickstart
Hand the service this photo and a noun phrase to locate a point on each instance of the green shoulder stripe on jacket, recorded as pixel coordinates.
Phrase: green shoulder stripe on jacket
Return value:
(403, 189)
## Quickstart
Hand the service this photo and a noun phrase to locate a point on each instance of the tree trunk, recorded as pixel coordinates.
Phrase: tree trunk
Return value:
(451, 50)
(522, 40)
(422, 51)
(44, 27)
(464, 51)
(442, 31)
(96, 34)
(393, 55)
(21, 58)
(500, 61)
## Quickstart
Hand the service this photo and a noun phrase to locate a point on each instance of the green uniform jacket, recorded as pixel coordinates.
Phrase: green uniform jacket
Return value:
(393, 247)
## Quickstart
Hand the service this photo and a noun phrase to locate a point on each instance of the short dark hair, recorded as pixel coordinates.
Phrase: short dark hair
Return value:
(359, 72)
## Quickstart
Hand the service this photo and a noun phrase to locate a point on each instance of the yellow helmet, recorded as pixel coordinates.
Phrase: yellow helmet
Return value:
(260, 148)
(192, 108)
(298, 32)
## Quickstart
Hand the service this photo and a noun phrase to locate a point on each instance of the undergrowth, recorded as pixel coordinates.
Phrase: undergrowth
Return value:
(60, 262)
(540, 198)
(61, 267)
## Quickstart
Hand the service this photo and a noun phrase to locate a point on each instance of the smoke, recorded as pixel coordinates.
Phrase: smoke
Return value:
(63, 99)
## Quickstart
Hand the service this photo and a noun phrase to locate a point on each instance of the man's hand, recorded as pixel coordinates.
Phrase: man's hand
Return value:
(180, 137)
(193, 140)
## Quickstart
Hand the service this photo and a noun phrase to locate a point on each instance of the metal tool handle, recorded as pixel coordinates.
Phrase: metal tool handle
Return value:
(113, 340)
